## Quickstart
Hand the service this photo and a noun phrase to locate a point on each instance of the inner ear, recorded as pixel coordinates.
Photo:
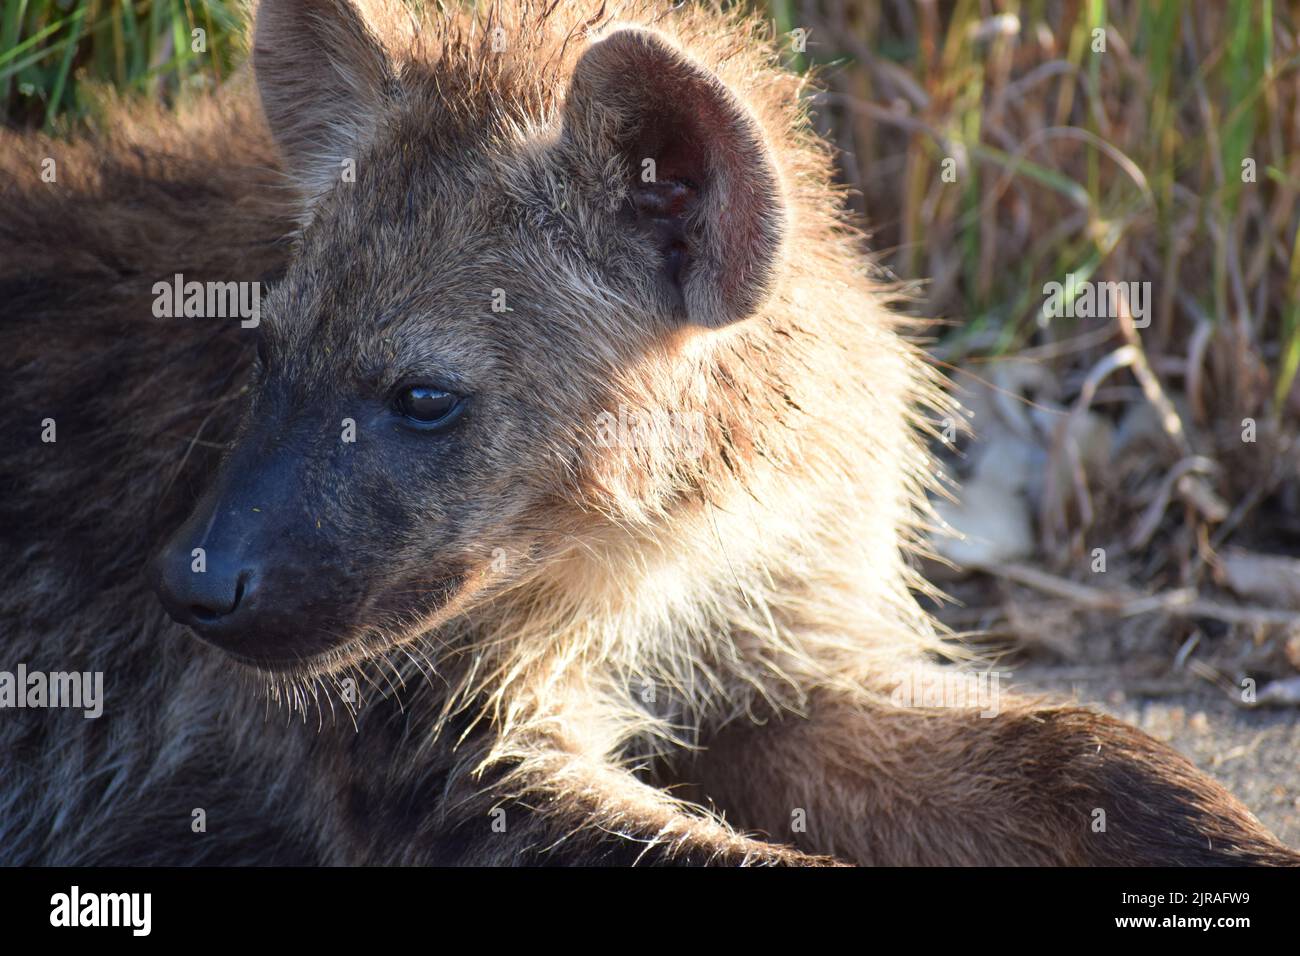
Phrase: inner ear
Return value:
(668, 173)
(702, 185)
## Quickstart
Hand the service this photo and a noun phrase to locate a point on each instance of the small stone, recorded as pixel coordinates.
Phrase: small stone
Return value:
(1177, 718)
(1292, 648)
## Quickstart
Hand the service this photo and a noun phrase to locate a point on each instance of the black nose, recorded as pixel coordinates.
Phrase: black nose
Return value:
(249, 598)
(207, 592)
(268, 586)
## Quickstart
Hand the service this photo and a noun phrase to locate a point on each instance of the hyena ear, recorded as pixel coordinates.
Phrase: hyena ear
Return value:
(326, 70)
(702, 184)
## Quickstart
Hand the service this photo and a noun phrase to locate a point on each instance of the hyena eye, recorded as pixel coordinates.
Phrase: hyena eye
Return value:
(428, 407)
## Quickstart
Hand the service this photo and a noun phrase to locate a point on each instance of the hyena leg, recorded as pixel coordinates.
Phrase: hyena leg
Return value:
(607, 816)
(539, 809)
(868, 782)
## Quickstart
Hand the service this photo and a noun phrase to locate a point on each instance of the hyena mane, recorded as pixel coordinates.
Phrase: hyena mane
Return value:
(646, 600)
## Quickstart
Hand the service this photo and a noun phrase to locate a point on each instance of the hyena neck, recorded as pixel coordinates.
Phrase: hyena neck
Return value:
(780, 572)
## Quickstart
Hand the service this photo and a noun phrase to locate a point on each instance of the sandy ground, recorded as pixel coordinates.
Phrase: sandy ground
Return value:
(1255, 753)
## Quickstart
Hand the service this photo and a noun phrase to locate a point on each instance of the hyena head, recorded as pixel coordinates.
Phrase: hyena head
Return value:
(505, 238)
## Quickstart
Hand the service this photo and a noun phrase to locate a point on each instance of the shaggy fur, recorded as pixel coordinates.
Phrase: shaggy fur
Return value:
(565, 649)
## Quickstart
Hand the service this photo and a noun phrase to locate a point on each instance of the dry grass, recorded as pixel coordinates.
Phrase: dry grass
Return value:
(1171, 157)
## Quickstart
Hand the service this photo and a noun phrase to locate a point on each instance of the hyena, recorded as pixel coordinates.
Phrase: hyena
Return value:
(445, 612)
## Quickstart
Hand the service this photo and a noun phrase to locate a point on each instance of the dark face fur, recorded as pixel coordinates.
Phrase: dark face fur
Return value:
(402, 441)
(430, 368)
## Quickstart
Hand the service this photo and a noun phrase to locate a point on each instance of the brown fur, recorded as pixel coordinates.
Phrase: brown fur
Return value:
(638, 655)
